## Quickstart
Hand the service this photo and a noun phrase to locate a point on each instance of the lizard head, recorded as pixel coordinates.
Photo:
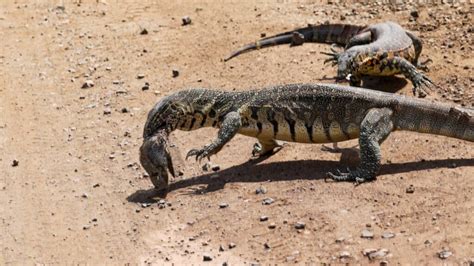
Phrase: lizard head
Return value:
(154, 153)
(345, 64)
(156, 159)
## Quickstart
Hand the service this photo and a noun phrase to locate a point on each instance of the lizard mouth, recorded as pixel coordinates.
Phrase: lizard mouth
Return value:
(156, 159)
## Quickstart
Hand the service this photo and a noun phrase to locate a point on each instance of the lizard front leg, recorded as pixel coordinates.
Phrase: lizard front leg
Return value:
(229, 127)
(374, 129)
(419, 80)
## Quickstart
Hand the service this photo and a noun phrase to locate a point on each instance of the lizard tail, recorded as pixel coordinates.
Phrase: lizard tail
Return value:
(437, 118)
(325, 33)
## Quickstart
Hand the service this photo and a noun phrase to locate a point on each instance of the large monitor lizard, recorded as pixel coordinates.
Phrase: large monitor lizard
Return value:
(382, 49)
(307, 113)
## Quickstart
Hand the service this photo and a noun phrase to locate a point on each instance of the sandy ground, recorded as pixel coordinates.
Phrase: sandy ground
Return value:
(78, 194)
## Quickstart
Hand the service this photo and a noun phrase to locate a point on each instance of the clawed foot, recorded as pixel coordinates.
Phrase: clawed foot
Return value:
(334, 149)
(333, 56)
(424, 65)
(205, 152)
(348, 177)
(259, 151)
(421, 85)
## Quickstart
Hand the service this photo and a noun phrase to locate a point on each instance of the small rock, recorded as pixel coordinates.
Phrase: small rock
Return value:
(140, 76)
(175, 73)
(375, 254)
(161, 204)
(300, 225)
(261, 190)
(344, 254)
(146, 86)
(206, 257)
(367, 234)
(221, 248)
(266, 246)
(124, 110)
(15, 163)
(410, 189)
(388, 235)
(340, 240)
(268, 201)
(86, 227)
(186, 20)
(88, 84)
(263, 218)
(225, 263)
(232, 245)
(223, 205)
(414, 14)
(444, 254)
(144, 32)
(84, 195)
(272, 226)
(107, 111)
(384, 263)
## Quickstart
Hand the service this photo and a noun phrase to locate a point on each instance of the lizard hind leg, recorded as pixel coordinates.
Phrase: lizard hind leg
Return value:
(374, 129)
(265, 147)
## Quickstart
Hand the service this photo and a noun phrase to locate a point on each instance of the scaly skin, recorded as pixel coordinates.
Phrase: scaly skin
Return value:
(382, 49)
(306, 113)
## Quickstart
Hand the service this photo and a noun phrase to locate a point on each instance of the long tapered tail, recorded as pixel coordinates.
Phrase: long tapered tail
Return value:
(326, 33)
(437, 118)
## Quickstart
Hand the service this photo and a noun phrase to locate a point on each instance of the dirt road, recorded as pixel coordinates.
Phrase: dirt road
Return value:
(78, 195)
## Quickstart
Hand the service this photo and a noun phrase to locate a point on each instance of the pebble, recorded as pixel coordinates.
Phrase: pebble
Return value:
(263, 218)
(268, 201)
(388, 235)
(146, 86)
(367, 234)
(375, 254)
(221, 248)
(300, 225)
(161, 204)
(266, 246)
(88, 84)
(140, 76)
(210, 166)
(107, 111)
(124, 110)
(414, 14)
(340, 240)
(444, 254)
(223, 205)
(232, 245)
(175, 73)
(84, 195)
(15, 163)
(410, 189)
(86, 227)
(272, 226)
(206, 257)
(186, 20)
(144, 32)
(344, 254)
(261, 190)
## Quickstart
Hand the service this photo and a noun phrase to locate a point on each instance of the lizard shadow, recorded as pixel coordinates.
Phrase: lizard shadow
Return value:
(389, 84)
(252, 172)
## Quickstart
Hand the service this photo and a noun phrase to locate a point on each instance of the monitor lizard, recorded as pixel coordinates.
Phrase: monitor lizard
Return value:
(306, 113)
(382, 49)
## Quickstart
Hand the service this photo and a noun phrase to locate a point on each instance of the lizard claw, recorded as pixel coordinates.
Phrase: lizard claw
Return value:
(422, 85)
(205, 152)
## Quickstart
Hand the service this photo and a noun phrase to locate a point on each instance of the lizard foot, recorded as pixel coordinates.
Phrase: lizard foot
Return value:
(349, 176)
(205, 152)
(420, 85)
(424, 65)
(333, 56)
(259, 150)
(334, 149)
